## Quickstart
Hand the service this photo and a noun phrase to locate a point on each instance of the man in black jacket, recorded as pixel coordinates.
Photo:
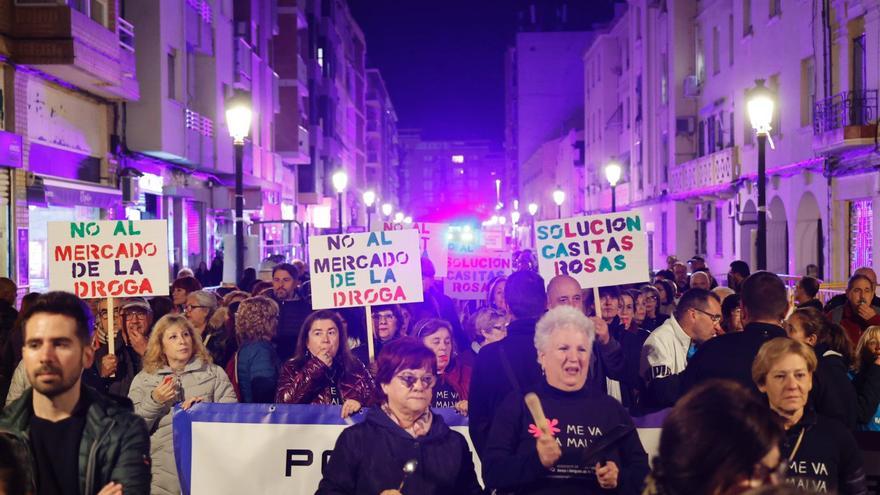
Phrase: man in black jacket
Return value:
(730, 356)
(293, 309)
(509, 364)
(73, 439)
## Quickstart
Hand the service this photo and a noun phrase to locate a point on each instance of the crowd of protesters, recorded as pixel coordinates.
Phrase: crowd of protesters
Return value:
(759, 382)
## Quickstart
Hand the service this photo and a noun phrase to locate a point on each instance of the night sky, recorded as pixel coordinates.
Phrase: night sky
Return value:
(443, 61)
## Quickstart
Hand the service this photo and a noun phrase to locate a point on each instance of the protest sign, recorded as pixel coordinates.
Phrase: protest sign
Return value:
(597, 250)
(470, 273)
(432, 242)
(365, 269)
(112, 258)
(493, 237)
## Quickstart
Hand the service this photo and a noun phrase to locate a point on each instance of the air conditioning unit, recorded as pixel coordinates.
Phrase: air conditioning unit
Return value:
(703, 212)
(691, 87)
(131, 189)
(685, 125)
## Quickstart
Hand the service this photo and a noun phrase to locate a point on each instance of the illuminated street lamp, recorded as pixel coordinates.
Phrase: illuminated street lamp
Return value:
(398, 217)
(340, 182)
(514, 217)
(613, 172)
(533, 209)
(238, 120)
(407, 220)
(369, 201)
(558, 198)
(760, 106)
(387, 209)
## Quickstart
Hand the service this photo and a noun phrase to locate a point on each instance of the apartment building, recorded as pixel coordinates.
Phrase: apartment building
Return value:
(383, 155)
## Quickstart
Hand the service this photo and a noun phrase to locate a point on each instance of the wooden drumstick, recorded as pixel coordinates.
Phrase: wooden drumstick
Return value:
(534, 405)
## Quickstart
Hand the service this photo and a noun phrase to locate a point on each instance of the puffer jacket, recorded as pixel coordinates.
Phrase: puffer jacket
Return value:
(198, 379)
(310, 382)
(115, 444)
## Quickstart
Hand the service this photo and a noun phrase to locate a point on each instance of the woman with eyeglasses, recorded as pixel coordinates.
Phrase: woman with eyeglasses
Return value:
(387, 326)
(199, 308)
(323, 370)
(719, 439)
(821, 453)
(370, 457)
(453, 375)
(559, 457)
(653, 317)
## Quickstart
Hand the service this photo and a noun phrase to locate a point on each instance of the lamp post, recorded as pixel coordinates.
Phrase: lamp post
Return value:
(558, 198)
(533, 210)
(369, 201)
(398, 217)
(612, 174)
(238, 120)
(340, 181)
(760, 107)
(387, 208)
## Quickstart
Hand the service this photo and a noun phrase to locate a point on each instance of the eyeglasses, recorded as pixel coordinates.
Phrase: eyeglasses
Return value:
(715, 318)
(190, 307)
(428, 381)
(136, 315)
(383, 317)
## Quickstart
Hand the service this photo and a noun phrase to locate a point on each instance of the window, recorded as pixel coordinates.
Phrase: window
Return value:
(747, 17)
(776, 124)
(711, 134)
(861, 233)
(719, 232)
(730, 40)
(171, 59)
(731, 142)
(748, 131)
(665, 150)
(775, 8)
(808, 90)
(664, 79)
(716, 50)
(663, 229)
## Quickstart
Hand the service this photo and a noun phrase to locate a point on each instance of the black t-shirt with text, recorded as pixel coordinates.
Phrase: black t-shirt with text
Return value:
(444, 394)
(55, 447)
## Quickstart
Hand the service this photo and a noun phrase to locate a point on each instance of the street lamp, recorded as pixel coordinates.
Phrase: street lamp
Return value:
(760, 107)
(369, 201)
(398, 217)
(533, 209)
(340, 181)
(238, 120)
(612, 174)
(514, 217)
(558, 198)
(387, 209)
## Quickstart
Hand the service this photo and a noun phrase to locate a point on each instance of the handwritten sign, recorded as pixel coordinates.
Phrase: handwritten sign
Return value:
(112, 258)
(432, 242)
(470, 273)
(365, 269)
(598, 250)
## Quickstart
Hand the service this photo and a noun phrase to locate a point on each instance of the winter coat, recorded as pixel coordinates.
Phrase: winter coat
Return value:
(312, 382)
(867, 384)
(128, 364)
(854, 325)
(292, 313)
(833, 394)
(18, 385)
(580, 419)
(255, 366)
(115, 444)
(369, 458)
(197, 379)
(220, 345)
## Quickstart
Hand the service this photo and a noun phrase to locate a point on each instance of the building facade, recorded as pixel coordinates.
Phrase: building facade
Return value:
(383, 154)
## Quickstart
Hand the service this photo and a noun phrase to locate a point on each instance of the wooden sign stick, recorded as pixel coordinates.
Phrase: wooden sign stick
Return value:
(371, 348)
(111, 337)
(597, 303)
(534, 405)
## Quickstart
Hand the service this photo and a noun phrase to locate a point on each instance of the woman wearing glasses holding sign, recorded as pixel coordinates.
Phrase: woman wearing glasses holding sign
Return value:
(401, 447)
(387, 326)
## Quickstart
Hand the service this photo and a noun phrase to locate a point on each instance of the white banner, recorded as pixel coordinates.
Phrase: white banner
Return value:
(470, 273)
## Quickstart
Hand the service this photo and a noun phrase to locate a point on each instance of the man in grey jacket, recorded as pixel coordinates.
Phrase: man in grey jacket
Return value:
(73, 439)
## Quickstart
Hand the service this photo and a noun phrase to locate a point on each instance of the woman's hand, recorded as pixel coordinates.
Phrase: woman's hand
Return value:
(188, 403)
(111, 488)
(350, 407)
(462, 407)
(607, 475)
(324, 357)
(548, 450)
(165, 392)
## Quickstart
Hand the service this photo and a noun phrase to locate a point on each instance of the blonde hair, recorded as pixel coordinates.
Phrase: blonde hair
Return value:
(154, 358)
(862, 358)
(256, 319)
(776, 349)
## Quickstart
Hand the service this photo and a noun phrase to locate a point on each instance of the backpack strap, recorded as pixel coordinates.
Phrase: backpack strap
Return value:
(508, 370)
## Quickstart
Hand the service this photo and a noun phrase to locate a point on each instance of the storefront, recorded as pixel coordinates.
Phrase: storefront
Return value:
(10, 160)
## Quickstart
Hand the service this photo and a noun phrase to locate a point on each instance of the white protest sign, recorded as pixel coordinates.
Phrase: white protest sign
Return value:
(110, 258)
(470, 273)
(432, 242)
(365, 269)
(493, 237)
(597, 250)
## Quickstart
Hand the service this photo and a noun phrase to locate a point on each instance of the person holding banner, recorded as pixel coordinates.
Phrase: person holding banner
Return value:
(323, 369)
(453, 375)
(401, 446)
(588, 444)
(177, 371)
(388, 325)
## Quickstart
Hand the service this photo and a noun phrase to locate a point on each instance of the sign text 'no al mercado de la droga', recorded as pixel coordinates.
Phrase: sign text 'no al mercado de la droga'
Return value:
(365, 269)
(597, 250)
(109, 258)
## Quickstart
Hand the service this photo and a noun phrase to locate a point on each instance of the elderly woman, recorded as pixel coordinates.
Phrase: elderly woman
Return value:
(369, 457)
(453, 375)
(822, 453)
(254, 368)
(525, 458)
(388, 324)
(323, 370)
(487, 326)
(200, 307)
(177, 370)
(181, 288)
(719, 439)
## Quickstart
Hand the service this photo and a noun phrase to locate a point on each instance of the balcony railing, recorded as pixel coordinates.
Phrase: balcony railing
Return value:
(705, 173)
(199, 123)
(203, 8)
(849, 108)
(126, 34)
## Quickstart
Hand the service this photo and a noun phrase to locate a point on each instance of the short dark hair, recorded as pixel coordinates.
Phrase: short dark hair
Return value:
(525, 294)
(405, 353)
(856, 277)
(287, 267)
(665, 274)
(729, 305)
(609, 291)
(343, 355)
(670, 289)
(65, 304)
(813, 322)
(694, 299)
(764, 296)
(189, 284)
(740, 267)
(810, 285)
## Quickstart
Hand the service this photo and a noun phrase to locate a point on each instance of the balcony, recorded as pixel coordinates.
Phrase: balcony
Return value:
(844, 121)
(243, 64)
(199, 26)
(199, 142)
(89, 50)
(706, 175)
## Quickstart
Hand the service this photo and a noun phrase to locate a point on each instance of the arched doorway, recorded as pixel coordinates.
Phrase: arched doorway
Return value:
(777, 237)
(808, 234)
(748, 223)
